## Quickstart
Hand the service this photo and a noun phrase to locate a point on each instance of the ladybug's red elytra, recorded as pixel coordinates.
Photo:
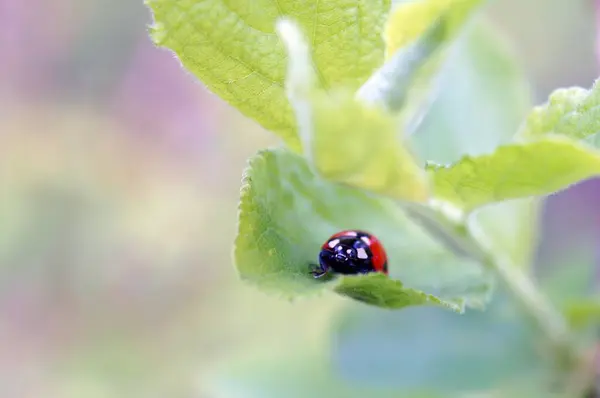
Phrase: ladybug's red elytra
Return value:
(351, 252)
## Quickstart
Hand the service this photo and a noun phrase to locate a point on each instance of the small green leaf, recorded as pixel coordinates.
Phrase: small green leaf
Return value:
(382, 291)
(346, 140)
(515, 171)
(231, 46)
(287, 212)
(574, 112)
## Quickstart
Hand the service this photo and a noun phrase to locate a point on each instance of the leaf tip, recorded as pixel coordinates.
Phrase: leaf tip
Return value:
(156, 29)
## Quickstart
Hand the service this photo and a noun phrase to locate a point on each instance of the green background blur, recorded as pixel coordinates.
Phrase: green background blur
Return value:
(119, 180)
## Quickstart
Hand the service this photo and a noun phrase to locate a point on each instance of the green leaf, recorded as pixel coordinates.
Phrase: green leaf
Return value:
(231, 46)
(382, 291)
(574, 112)
(287, 212)
(427, 350)
(358, 145)
(482, 98)
(346, 140)
(593, 140)
(515, 171)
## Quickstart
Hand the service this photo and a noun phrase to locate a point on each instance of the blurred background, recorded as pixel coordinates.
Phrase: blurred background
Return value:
(119, 180)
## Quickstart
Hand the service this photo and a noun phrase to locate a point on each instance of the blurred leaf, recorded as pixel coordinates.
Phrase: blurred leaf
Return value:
(570, 278)
(295, 375)
(390, 85)
(431, 351)
(410, 68)
(410, 20)
(515, 171)
(418, 35)
(358, 145)
(567, 271)
(232, 48)
(574, 112)
(482, 98)
(509, 227)
(348, 141)
(287, 212)
(583, 312)
(567, 259)
(304, 372)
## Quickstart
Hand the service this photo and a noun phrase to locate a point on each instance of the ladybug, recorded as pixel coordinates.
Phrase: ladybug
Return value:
(351, 252)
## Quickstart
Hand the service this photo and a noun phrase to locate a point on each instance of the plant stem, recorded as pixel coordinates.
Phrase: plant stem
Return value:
(536, 306)
(467, 239)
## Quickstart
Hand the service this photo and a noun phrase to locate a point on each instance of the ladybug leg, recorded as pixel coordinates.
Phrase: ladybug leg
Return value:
(318, 274)
(318, 271)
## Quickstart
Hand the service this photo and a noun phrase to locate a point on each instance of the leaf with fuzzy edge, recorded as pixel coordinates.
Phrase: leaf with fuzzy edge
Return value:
(514, 171)
(574, 112)
(231, 46)
(345, 139)
(287, 212)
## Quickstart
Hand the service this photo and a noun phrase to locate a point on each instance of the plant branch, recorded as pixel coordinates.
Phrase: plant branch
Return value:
(468, 239)
(534, 304)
